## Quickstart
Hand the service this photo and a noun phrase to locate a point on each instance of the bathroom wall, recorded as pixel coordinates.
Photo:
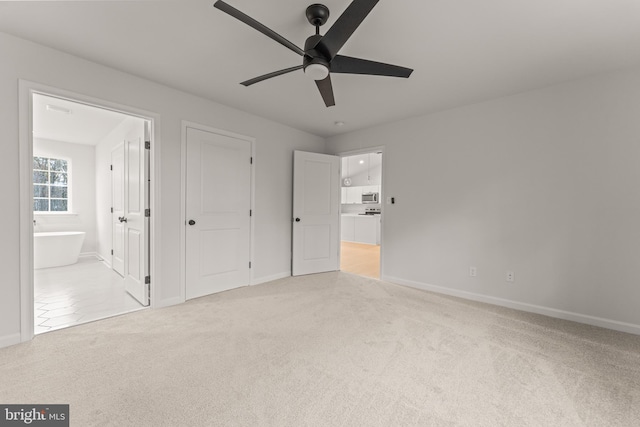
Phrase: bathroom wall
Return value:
(82, 217)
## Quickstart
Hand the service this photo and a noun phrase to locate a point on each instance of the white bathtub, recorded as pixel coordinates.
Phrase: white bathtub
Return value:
(55, 249)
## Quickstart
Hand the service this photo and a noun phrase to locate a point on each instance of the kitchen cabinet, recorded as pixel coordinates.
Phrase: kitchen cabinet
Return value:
(351, 195)
(371, 189)
(365, 229)
(347, 228)
(354, 194)
(360, 228)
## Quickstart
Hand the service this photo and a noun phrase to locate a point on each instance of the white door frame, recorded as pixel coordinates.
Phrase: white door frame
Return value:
(183, 197)
(382, 202)
(26, 90)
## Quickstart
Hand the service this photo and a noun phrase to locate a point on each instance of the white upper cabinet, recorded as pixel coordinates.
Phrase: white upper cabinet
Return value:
(363, 172)
(362, 169)
(354, 195)
(371, 189)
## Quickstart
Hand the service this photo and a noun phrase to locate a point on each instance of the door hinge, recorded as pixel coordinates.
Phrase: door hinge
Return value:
(110, 167)
(250, 212)
(147, 145)
(250, 160)
(147, 280)
(249, 264)
(111, 210)
(147, 212)
(111, 251)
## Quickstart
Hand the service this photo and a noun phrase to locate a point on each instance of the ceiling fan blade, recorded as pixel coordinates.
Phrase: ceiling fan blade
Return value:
(349, 65)
(326, 90)
(345, 25)
(268, 76)
(257, 25)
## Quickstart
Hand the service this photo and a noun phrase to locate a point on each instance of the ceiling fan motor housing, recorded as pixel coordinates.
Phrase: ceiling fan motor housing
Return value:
(312, 56)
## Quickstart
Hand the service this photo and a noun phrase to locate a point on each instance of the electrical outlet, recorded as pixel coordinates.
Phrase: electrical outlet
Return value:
(511, 276)
(473, 271)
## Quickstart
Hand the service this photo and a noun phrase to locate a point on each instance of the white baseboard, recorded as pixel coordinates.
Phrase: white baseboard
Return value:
(106, 262)
(90, 254)
(271, 278)
(97, 256)
(9, 340)
(530, 308)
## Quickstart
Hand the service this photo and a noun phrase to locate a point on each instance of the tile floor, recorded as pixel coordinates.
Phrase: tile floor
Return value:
(78, 293)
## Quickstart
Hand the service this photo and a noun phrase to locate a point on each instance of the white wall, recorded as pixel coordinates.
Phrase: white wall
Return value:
(81, 159)
(273, 163)
(104, 147)
(544, 183)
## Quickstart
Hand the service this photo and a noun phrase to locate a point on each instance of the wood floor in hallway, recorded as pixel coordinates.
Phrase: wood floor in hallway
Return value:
(361, 259)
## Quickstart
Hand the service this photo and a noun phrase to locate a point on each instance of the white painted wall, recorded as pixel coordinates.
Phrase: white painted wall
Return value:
(273, 167)
(544, 183)
(104, 147)
(81, 159)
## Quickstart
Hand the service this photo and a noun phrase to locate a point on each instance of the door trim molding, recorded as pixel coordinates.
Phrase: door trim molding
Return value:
(26, 90)
(183, 197)
(382, 189)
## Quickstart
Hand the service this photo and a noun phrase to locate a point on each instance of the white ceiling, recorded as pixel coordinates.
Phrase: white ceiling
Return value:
(463, 51)
(70, 121)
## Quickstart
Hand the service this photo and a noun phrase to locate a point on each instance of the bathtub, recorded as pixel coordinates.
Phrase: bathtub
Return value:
(55, 249)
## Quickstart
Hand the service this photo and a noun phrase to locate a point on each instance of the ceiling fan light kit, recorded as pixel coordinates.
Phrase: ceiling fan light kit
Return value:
(317, 71)
(320, 55)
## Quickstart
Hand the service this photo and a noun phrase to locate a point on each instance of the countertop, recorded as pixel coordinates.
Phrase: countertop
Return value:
(361, 216)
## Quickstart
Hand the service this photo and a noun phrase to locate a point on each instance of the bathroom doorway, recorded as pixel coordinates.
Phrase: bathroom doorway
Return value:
(84, 219)
(361, 213)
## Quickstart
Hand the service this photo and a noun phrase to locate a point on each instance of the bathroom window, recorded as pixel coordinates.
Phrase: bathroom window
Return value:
(50, 185)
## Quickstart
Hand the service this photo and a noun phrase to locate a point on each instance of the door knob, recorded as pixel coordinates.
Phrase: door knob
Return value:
(297, 219)
(122, 219)
(192, 222)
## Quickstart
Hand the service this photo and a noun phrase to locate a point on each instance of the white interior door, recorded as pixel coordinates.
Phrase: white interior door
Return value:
(218, 203)
(316, 213)
(117, 197)
(134, 220)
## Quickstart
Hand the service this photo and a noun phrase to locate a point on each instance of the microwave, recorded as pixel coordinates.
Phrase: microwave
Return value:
(370, 198)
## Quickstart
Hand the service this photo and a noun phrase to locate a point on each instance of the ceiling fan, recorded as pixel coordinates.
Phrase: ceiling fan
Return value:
(320, 55)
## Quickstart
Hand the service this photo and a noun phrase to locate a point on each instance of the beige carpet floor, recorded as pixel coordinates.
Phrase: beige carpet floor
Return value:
(330, 350)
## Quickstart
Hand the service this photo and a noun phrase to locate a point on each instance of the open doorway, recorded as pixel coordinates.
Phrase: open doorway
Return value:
(90, 219)
(361, 213)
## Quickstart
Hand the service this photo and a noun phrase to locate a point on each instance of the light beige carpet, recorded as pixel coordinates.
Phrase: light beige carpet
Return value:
(330, 350)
